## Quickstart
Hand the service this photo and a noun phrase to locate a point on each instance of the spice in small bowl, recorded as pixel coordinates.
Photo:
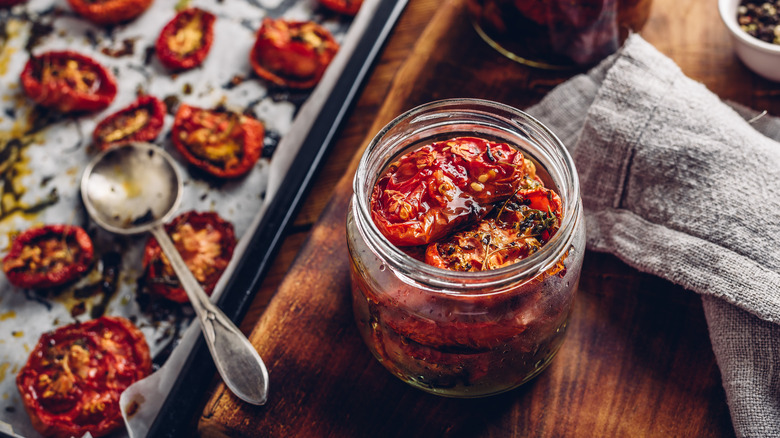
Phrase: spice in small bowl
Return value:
(760, 19)
(757, 54)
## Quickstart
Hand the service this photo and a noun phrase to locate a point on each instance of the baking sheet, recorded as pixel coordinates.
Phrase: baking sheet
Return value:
(51, 160)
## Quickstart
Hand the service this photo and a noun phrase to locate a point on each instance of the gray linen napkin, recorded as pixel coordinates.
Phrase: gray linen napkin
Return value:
(678, 184)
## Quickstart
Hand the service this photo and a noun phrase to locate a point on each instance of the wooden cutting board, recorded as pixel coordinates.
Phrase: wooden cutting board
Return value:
(637, 360)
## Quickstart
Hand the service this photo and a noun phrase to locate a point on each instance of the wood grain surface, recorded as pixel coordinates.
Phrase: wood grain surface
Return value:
(637, 360)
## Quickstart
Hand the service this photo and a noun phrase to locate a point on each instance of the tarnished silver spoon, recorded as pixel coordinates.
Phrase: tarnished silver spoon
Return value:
(135, 188)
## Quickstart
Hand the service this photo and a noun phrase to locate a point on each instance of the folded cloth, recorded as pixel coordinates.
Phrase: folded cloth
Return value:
(677, 183)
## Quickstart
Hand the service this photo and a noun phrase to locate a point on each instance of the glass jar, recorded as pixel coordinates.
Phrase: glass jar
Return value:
(557, 33)
(464, 334)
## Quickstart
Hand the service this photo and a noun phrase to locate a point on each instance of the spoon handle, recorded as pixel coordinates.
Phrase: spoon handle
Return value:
(237, 361)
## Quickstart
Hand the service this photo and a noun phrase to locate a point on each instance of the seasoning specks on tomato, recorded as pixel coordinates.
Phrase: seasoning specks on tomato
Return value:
(72, 381)
(291, 53)
(205, 242)
(48, 256)
(221, 142)
(476, 204)
(68, 82)
(439, 188)
(140, 121)
(185, 41)
(510, 233)
(109, 11)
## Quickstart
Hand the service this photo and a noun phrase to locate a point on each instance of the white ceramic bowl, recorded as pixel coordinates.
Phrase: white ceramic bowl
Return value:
(759, 56)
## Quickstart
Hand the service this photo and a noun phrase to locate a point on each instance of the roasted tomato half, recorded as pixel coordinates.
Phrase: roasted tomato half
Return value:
(48, 256)
(456, 337)
(436, 189)
(68, 82)
(205, 242)
(185, 41)
(452, 327)
(72, 381)
(512, 232)
(347, 7)
(292, 54)
(141, 121)
(109, 11)
(220, 142)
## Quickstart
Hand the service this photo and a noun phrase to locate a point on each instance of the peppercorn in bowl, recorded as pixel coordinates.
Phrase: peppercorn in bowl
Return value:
(755, 29)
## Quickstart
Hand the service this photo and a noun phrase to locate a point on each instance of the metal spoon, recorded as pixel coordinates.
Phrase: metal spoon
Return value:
(135, 188)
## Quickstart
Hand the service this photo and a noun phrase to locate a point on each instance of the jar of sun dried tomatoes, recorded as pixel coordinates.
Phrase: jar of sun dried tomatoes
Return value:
(483, 329)
(557, 33)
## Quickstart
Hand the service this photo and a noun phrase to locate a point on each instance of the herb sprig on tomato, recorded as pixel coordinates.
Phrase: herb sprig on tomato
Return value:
(512, 232)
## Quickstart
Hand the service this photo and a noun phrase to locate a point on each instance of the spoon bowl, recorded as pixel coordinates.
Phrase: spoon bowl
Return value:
(131, 188)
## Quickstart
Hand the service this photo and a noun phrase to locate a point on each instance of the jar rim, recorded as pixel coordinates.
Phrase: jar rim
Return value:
(457, 282)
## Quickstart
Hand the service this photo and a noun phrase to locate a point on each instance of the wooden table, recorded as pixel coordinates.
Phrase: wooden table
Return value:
(637, 360)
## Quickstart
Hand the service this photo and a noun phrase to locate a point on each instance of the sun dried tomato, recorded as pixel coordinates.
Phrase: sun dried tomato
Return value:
(455, 335)
(205, 242)
(425, 362)
(185, 41)
(512, 232)
(109, 11)
(140, 121)
(220, 142)
(347, 7)
(72, 381)
(458, 329)
(68, 82)
(48, 256)
(292, 54)
(438, 188)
